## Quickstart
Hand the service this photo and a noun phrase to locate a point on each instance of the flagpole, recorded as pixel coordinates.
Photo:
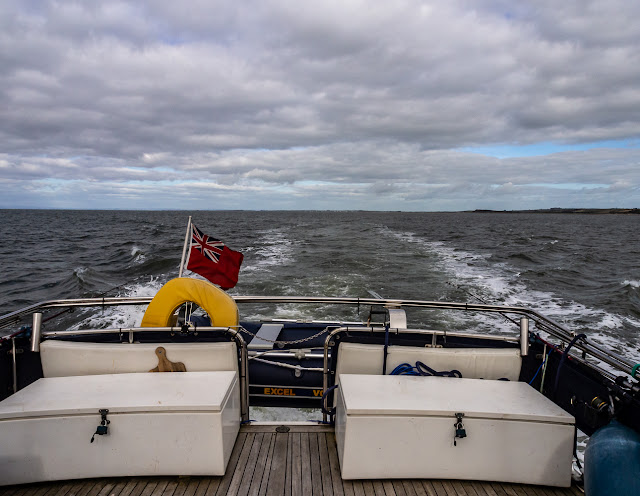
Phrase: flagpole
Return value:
(184, 248)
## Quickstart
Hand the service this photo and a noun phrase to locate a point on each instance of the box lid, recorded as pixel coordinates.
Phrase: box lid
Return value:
(121, 393)
(387, 395)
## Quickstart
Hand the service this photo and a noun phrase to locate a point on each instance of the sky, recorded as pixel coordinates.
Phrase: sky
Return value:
(274, 104)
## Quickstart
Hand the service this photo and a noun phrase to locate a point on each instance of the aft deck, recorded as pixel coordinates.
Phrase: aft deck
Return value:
(280, 460)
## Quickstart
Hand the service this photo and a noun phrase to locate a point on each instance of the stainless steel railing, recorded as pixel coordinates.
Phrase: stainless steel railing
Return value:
(543, 323)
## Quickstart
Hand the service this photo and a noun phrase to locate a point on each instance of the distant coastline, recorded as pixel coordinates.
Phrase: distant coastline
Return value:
(589, 211)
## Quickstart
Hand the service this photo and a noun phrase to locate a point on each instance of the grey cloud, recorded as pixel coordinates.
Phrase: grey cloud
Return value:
(267, 95)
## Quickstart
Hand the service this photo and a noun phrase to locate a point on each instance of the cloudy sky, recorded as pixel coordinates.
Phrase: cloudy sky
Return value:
(275, 104)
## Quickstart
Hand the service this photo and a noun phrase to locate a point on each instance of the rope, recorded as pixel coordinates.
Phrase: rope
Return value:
(103, 294)
(287, 365)
(421, 369)
(540, 368)
(296, 341)
(100, 295)
(634, 371)
(544, 368)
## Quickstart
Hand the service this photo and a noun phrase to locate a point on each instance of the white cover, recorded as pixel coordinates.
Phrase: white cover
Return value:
(403, 427)
(66, 358)
(473, 363)
(436, 396)
(161, 424)
(357, 358)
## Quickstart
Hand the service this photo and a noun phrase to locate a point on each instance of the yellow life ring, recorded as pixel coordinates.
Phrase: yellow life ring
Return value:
(221, 308)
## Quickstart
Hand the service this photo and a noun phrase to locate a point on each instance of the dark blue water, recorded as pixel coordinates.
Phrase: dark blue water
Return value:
(582, 270)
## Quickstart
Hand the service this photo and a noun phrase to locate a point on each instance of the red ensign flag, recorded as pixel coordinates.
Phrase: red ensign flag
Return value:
(213, 260)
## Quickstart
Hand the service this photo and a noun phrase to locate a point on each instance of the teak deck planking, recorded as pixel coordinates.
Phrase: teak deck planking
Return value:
(264, 462)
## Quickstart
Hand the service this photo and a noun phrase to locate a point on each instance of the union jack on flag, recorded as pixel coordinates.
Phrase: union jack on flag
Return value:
(213, 260)
(209, 247)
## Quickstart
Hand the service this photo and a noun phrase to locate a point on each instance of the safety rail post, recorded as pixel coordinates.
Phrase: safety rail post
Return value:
(524, 336)
(14, 368)
(244, 378)
(36, 332)
(325, 366)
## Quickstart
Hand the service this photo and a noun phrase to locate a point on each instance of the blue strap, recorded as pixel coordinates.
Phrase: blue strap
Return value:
(423, 370)
(426, 370)
(329, 411)
(565, 353)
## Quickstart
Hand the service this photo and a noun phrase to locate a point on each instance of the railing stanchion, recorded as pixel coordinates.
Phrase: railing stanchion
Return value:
(36, 332)
(524, 336)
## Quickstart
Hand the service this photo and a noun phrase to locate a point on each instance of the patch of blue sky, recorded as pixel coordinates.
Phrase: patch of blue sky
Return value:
(545, 148)
(572, 186)
(172, 40)
(310, 182)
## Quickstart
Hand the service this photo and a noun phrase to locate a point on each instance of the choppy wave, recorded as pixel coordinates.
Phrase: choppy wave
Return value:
(137, 255)
(500, 283)
(578, 270)
(273, 248)
(122, 316)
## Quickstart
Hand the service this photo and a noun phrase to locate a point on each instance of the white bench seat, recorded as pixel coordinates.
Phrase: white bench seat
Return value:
(404, 427)
(160, 424)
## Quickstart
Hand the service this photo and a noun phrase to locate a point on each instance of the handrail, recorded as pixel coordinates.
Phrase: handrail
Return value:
(244, 360)
(548, 325)
(144, 300)
(10, 318)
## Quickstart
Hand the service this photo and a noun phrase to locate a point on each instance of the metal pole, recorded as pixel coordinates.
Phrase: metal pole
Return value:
(244, 381)
(184, 248)
(524, 336)
(15, 365)
(36, 332)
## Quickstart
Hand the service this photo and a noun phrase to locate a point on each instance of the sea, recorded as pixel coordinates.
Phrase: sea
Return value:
(581, 270)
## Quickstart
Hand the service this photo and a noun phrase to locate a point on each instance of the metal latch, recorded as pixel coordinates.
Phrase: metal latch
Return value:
(103, 428)
(460, 430)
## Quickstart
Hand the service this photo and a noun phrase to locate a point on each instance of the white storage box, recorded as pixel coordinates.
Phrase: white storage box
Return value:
(160, 424)
(404, 427)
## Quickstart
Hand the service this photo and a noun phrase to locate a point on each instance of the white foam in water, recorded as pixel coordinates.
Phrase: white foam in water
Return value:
(139, 256)
(126, 315)
(275, 249)
(79, 272)
(499, 283)
(274, 414)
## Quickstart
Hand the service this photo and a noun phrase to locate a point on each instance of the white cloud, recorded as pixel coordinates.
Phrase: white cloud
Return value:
(368, 102)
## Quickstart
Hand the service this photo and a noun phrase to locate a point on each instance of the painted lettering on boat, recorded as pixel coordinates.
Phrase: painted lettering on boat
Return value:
(317, 392)
(279, 391)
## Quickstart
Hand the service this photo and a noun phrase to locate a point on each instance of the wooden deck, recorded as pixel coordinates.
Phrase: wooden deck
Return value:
(265, 461)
